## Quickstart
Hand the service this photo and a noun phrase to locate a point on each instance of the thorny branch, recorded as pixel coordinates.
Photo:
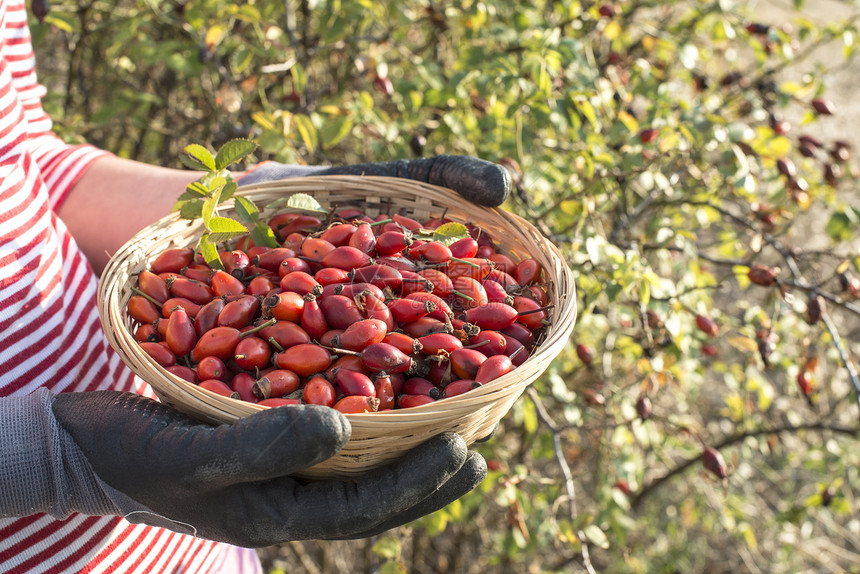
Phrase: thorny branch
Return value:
(733, 439)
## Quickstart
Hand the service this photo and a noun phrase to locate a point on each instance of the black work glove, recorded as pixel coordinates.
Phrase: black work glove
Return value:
(477, 180)
(231, 482)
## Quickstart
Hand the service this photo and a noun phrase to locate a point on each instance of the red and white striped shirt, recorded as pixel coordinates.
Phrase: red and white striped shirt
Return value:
(50, 334)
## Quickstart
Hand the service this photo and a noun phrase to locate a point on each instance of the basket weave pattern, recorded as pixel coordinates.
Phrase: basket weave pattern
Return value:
(377, 438)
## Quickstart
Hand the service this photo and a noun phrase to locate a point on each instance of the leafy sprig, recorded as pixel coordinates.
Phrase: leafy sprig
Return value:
(201, 199)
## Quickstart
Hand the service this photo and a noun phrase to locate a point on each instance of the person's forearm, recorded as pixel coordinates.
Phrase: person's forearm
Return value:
(115, 199)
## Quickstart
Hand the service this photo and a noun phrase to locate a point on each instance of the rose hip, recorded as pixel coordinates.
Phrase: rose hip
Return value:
(384, 357)
(465, 362)
(340, 311)
(469, 293)
(493, 368)
(180, 334)
(316, 248)
(357, 404)
(521, 333)
(380, 275)
(425, 326)
(474, 267)
(172, 260)
(219, 388)
(142, 309)
(260, 286)
(442, 285)
(391, 243)
(384, 391)
(243, 383)
(284, 334)
(338, 233)
(300, 282)
(159, 353)
(271, 260)
(443, 311)
(146, 333)
(408, 401)
(493, 315)
(190, 307)
(439, 343)
(350, 290)
(345, 257)
(199, 272)
(153, 286)
(421, 386)
(354, 383)
(285, 306)
(361, 334)
(211, 368)
(318, 391)
(527, 271)
(304, 360)
(529, 312)
(252, 353)
(405, 310)
(402, 341)
(207, 316)
(190, 289)
(276, 383)
(331, 276)
(313, 319)
(459, 387)
(184, 373)
(224, 283)
(217, 342)
(489, 343)
(363, 239)
(292, 264)
(240, 312)
(463, 248)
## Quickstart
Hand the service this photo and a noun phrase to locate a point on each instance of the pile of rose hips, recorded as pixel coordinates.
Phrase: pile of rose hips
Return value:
(355, 313)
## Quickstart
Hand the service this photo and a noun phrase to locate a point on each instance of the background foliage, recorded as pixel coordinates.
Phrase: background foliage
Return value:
(666, 146)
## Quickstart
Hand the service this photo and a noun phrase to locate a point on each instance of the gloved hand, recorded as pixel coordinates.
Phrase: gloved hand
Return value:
(477, 180)
(230, 483)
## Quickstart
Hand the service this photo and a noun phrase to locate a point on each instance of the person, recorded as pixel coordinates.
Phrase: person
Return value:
(96, 475)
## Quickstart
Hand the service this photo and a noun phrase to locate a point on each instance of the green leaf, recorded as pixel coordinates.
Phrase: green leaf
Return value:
(247, 211)
(202, 156)
(843, 224)
(208, 210)
(262, 234)
(194, 190)
(387, 547)
(334, 131)
(192, 163)
(224, 228)
(192, 209)
(299, 77)
(209, 250)
(392, 567)
(228, 191)
(304, 202)
(307, 131)
(65, 21)
(448, 233)
(233, 151)
(596, 536)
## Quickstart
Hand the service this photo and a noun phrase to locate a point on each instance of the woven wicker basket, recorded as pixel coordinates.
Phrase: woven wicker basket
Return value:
(377, 438)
